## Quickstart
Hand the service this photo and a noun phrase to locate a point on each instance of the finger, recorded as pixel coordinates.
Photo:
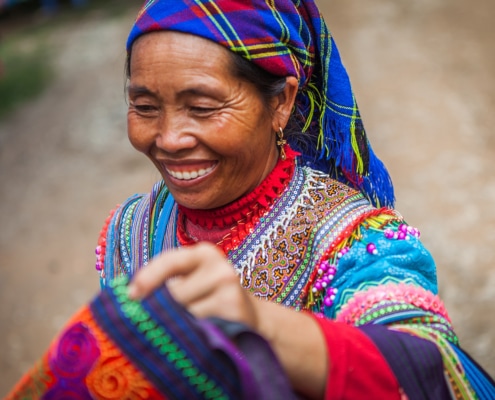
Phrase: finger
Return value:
(173, 263)
(214, 274)
(153, 275)
(227, 304)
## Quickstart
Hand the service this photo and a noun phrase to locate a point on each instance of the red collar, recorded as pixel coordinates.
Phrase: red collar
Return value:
(229, 225)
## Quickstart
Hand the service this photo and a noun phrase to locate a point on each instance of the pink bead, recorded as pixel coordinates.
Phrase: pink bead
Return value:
(402, 235)
(98, 250)
(327, 301)
(318, 285)
(403, 228)
(371, 248)
(389, 233)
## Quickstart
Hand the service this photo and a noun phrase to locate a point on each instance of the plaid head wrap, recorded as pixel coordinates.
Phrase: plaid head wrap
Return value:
(288, 38)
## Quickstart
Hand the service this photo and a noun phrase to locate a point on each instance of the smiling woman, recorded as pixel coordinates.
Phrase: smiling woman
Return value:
(199, 124)
(268, 262)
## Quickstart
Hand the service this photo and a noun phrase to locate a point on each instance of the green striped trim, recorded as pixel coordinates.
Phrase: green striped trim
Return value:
(161, 340)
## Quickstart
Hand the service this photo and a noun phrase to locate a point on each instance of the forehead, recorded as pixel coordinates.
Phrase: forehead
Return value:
(178, 50)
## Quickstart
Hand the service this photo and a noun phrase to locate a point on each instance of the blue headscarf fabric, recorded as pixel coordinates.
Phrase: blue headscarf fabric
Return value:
(288, 38)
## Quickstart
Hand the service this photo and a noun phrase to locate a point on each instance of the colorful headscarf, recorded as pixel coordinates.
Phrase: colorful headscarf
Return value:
(288, 38)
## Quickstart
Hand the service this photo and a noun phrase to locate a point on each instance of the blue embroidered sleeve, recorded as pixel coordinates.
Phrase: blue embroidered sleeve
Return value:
(114, 252)
(387, 286)
(395, 261)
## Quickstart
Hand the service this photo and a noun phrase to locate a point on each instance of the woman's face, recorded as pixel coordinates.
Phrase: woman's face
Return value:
(207, 132)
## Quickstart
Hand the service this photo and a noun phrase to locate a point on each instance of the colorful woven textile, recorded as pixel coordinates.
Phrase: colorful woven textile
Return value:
(120, 349)
(288, 38)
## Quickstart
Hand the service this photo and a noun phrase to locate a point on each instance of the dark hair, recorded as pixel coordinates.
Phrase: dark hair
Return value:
(268, 85)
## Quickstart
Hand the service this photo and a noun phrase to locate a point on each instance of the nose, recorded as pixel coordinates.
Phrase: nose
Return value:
(174, 134)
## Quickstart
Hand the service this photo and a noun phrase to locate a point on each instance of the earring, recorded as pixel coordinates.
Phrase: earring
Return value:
(281, 142)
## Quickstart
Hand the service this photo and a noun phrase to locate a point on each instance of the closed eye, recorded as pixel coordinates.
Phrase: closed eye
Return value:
(202, 111)
(144, 109)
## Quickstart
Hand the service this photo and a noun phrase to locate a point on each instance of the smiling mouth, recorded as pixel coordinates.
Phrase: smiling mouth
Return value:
(189, 175)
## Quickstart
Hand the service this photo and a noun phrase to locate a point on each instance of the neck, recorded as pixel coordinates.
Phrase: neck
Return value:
(227, 226)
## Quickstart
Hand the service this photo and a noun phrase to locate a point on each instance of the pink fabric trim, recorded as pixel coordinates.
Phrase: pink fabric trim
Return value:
(361, 302)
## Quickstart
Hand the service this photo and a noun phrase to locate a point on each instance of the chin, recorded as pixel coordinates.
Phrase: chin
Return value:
(193, 204)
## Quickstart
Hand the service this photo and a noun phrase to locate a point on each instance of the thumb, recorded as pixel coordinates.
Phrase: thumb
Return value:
(168, 265)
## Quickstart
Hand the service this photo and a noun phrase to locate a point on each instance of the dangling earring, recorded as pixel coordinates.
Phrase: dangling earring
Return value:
(281, 142)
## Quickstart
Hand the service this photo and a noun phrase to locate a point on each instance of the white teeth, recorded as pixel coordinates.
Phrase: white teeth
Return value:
(188, 175)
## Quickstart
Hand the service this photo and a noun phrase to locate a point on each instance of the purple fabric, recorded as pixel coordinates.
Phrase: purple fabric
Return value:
(416, 363)
(266, 374)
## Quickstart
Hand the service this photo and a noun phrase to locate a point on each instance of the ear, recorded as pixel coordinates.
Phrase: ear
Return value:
(284, 103)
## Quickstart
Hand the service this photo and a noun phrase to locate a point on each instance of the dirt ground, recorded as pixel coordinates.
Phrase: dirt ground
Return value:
(422, 72)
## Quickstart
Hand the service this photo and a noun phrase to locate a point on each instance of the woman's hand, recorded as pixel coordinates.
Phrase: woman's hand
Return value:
(200, 278)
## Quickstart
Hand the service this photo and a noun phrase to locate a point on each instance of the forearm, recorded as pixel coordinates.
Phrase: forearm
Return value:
(324, 358)
(299, 344)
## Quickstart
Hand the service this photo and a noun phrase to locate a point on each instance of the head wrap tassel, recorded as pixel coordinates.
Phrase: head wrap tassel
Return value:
(344, 149)
(288, 38)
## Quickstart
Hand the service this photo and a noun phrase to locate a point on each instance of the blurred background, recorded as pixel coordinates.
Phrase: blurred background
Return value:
(422, 72)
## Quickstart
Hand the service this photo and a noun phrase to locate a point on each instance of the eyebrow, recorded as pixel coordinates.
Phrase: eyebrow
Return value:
(201, 91)
(197, 91)
(134, 90)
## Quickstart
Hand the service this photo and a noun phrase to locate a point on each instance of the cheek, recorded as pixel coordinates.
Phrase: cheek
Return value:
(136, 133)
(244, 130)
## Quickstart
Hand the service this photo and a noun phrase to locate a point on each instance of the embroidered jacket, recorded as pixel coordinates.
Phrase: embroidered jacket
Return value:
(318, 246)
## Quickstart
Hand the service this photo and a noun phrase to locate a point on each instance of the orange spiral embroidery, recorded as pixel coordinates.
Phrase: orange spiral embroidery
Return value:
(113, 376)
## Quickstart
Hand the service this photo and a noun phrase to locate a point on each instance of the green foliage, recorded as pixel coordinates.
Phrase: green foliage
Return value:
(25, 57)
(25, 71)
